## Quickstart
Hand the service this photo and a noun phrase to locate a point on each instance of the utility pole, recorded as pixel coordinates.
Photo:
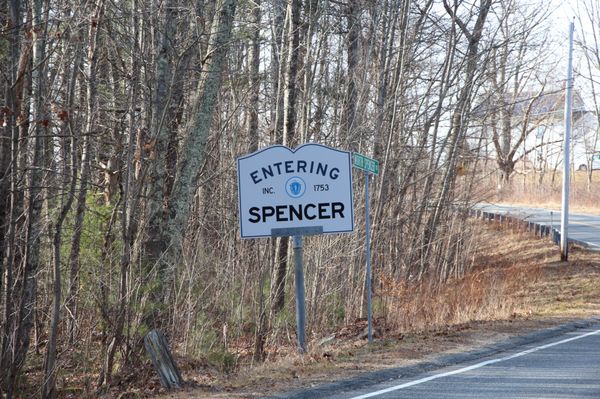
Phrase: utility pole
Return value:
(564, 220)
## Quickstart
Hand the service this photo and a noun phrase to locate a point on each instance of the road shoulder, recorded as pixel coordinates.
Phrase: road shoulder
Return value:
(380, 376)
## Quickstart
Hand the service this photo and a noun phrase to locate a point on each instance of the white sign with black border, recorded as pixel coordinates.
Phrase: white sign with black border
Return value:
(309, 188)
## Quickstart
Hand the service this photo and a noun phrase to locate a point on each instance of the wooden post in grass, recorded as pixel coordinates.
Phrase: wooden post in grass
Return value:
(162, 360)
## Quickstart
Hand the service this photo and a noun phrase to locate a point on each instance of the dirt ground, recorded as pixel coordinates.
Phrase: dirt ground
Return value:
(553, 293)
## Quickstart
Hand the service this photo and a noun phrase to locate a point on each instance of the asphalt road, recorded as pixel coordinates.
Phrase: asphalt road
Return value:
(558, 362)
(583, 228)
(566, 366)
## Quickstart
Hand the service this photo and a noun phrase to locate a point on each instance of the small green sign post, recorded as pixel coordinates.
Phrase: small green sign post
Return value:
(365, 163)
(369, 165)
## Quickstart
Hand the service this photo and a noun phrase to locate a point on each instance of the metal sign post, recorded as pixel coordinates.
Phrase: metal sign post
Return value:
(299, 278)
(368, 255)
(297, 234)
(369, 166)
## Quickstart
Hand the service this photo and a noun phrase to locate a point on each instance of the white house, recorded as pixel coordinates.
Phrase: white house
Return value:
(540, 117)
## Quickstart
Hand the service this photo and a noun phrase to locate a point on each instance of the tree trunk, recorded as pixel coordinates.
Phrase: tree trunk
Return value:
(127, 195)
(289, 136)
(281, 262)
(84, 178)
(278, 49)
(254, 63)
(10, 213)
(348, 124)
(28, 286)
(457, 128)
(154, 244)
(49, 382)
(71, 300)
(194, 141)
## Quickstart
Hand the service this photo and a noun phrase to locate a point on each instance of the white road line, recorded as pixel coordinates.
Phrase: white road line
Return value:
(472, 367)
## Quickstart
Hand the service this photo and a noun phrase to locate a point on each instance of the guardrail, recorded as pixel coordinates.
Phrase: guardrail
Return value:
(520, 224)
(517, 224)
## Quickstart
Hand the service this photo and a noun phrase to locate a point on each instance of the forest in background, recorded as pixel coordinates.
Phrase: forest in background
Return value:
(120, 125)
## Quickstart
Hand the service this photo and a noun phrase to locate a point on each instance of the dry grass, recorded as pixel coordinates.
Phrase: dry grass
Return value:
(516, 285)
(528, 191)
(483, 294)
(513, 276)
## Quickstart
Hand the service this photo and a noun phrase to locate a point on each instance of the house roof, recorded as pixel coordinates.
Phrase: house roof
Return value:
(549, 105)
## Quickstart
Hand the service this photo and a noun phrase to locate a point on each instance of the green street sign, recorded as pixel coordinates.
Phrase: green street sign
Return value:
(365, 163)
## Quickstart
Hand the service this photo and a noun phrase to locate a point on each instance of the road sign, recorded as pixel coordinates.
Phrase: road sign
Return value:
(365, 163)
(306, 188)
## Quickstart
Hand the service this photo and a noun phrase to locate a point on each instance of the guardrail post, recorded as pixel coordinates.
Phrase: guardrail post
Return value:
(158, 350)
(556, 236)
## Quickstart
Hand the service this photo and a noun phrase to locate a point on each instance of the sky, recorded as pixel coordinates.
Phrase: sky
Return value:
(564, 12)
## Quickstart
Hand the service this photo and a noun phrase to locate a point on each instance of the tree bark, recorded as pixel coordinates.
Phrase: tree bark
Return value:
(194, 141)
(154, 245)
(85, 162)
(69, 183)
(10, 213)
(254, 72)
(28, 286)
(289, 136)
(348, 123)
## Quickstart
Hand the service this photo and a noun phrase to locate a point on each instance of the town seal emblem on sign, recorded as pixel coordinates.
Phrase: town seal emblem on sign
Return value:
(295, 187)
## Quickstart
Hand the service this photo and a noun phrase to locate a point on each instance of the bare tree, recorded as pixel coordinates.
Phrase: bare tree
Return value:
(70, 144)
(518, 84)
(458, 122)
(289, 131)
(26, 285)
(195, 134)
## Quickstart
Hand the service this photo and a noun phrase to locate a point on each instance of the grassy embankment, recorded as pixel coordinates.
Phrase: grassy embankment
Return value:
(517, 284)
(527, 190)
